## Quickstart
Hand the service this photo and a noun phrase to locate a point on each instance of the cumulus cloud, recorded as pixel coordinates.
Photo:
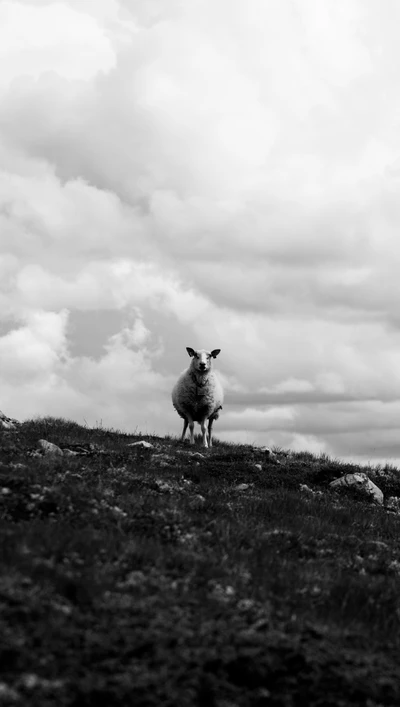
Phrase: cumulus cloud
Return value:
(33, 39)
(205, 174)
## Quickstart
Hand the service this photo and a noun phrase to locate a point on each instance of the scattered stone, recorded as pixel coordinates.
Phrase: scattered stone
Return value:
(394, 566)
(221, 593)
(119, 512)
(270, 455)
(70, 453)
(49, 448)
(196, 455)
(242, 487)
(360, 483)
(311, 492)
(162, 459)
(71, 475)
(393, 504)
(258, 466)
(86, 449)
(142, 443)
(8, 423)
(267, 451)
(186, 482)
(164, 487)
(246, 604)
(161, 486)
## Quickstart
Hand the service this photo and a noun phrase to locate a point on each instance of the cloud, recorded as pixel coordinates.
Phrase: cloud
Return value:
(203, 174)
(32, 39)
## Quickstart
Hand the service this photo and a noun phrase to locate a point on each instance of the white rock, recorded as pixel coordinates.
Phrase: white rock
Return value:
(50, 448)
(267, 451)
(162, 459)
(306, 489)
(360, 483)
(7, 423)
(142, 443)
(163, 486)
(258, 466)
(271, 456)
(242, 487)
(393, 504)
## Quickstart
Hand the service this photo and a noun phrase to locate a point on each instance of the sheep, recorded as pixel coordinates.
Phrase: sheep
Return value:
(197, 395)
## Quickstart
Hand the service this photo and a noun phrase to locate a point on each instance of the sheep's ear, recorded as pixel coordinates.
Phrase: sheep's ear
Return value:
(215, 353)
(190, 351)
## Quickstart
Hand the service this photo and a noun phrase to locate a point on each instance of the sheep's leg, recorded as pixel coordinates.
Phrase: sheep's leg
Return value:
(185, 426)
(189, 421)
(210, 424)
(204, 431)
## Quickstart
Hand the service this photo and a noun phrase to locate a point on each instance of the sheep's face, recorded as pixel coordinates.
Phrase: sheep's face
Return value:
(202, 359)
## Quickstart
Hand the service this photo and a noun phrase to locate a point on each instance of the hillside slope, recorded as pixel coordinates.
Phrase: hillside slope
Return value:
(165, 576)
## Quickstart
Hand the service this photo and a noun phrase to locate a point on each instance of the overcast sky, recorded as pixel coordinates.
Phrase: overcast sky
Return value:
(206, 173)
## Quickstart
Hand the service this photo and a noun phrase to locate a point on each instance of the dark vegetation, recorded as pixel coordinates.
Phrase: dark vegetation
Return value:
(158, 578)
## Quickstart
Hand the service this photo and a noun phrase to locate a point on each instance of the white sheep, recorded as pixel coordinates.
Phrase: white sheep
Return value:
(197, 395)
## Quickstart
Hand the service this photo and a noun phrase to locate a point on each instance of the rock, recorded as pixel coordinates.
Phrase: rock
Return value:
(142, 443)
(267, 451)
(258, 466)
(49, 448)
(196, 455)
(360, 483)
(218, 591)
(162, 459)
(242, 487)
(270, 455)
(84, 449)
(393, 504)
(306, 489)
(7, 423)
(162, 486)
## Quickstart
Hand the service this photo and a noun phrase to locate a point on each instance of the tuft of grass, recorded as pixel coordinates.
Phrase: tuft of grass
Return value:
(155, 577)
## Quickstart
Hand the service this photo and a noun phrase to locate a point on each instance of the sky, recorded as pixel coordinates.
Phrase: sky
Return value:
(204, 173)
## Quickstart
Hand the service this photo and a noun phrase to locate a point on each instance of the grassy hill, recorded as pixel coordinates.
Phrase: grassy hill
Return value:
(156, 577)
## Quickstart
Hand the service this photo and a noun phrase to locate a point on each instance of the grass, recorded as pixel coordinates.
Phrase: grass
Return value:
(156, 578)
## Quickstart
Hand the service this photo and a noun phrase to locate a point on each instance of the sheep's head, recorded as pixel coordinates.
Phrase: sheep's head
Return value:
(202, 359)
